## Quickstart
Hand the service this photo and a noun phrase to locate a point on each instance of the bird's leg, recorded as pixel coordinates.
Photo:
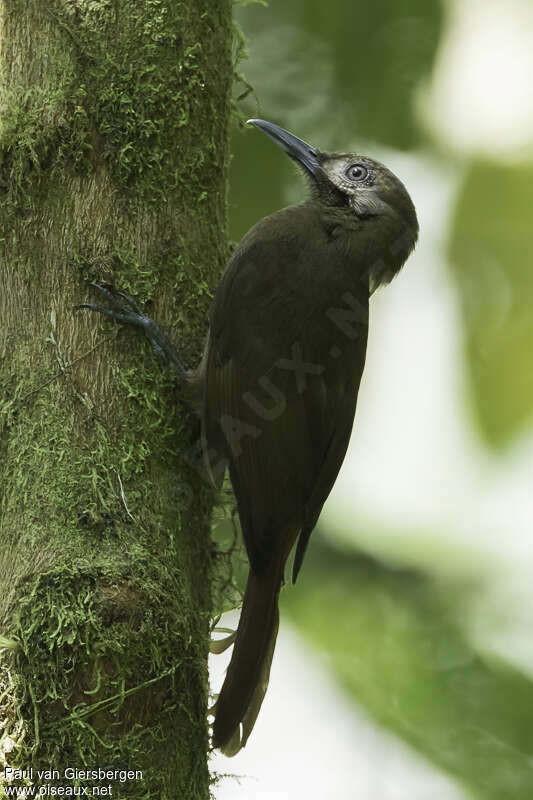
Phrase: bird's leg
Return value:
(124, 309)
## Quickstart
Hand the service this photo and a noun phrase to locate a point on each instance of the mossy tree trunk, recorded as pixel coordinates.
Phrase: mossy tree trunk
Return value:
(113, 156)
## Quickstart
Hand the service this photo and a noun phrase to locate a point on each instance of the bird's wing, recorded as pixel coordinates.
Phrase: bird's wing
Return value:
(283, 366)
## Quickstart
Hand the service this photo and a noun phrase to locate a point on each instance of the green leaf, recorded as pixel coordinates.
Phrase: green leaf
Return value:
(377, 55)
(393, 640)
(490, 252)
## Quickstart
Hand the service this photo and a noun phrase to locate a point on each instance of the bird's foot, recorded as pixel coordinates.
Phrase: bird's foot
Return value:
(122, 308)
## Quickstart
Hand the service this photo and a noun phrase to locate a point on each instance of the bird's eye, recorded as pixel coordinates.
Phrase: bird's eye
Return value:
(356, 172)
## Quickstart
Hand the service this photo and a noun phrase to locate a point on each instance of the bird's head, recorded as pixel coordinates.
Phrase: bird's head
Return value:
(348, 180)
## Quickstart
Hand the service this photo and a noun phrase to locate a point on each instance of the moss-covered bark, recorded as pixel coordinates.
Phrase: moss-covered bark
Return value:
(113, 156)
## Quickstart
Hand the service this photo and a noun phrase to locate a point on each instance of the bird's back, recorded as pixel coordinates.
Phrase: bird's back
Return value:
(286, 354)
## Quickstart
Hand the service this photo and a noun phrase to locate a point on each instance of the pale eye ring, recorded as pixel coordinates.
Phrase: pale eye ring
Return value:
(356, 173)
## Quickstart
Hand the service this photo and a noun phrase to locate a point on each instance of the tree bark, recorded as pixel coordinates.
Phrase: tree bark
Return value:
(113, 162)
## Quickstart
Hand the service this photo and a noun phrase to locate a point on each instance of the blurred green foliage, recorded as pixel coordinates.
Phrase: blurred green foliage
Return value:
(338, 73)
(375, 54)
(346, 74)
(393, 640)
(490, 251)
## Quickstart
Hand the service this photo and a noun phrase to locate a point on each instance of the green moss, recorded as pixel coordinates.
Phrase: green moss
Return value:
(147, 70)
(105, 713)
(38, 131)
(105, 551)
(109, 596)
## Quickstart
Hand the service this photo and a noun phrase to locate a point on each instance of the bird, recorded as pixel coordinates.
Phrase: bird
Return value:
(276, 388)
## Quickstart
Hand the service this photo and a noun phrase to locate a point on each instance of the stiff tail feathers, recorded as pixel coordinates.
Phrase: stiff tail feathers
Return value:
(248, 673)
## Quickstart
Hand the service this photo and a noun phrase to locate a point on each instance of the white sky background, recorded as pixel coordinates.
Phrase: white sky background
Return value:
(311, 742)
(481, 98)
(415, 467)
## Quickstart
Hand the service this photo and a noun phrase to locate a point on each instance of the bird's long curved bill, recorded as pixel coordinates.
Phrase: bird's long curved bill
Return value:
(294, 147)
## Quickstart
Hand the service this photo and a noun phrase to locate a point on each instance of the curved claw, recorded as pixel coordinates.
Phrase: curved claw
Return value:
(122, 308)
(125, 303)
(129, 300)
(119, 316)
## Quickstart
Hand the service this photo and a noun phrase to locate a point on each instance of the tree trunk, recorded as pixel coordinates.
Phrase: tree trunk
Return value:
(113, 161)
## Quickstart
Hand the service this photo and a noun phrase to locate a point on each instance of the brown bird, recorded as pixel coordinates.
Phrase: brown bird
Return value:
(277, 387)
